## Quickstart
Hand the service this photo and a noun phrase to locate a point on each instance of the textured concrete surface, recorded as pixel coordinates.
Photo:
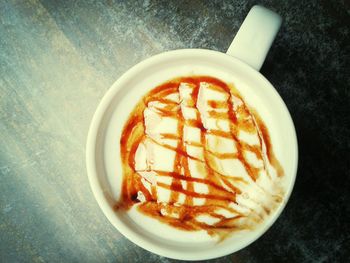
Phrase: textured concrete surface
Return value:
(58, 58)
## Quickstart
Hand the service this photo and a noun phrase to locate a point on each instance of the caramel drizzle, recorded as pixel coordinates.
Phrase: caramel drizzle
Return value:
(222, 189)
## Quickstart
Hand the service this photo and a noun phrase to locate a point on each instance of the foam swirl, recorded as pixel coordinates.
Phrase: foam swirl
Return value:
(196, 157)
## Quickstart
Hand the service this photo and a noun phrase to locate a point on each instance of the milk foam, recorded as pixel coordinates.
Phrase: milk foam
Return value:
(256, 197)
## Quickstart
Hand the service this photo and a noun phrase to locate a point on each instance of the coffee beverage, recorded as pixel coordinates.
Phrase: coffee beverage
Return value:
(195, 156)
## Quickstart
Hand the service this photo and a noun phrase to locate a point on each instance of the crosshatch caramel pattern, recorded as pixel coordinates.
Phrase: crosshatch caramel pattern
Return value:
(223, 190)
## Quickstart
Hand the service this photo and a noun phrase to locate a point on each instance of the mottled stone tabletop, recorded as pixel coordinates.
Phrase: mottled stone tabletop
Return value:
(58, 58)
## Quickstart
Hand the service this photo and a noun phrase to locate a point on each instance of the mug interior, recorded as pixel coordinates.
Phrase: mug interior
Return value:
(103, 147)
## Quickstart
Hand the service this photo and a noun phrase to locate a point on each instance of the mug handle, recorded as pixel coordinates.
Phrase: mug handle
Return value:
(255, 36)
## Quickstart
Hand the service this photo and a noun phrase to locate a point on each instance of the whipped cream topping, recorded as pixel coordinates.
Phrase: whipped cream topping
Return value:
(202, 153)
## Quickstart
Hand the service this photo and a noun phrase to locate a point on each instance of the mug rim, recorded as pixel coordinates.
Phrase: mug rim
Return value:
(92, 171)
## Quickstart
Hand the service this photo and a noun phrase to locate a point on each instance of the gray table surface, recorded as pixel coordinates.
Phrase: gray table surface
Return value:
(58, 58)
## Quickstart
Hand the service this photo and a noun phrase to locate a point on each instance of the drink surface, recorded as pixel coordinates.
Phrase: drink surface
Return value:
(195, 156)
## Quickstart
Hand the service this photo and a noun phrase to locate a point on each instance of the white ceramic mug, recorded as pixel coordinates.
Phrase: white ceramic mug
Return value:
(240, 65)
